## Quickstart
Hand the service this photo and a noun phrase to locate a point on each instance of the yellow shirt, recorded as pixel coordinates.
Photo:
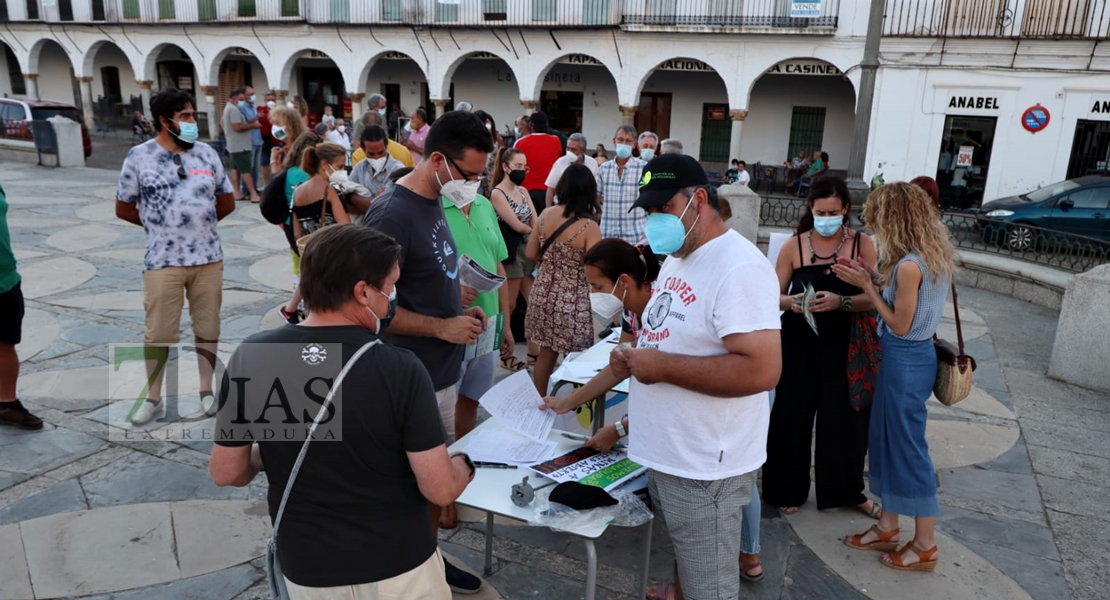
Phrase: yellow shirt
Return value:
(395, 150)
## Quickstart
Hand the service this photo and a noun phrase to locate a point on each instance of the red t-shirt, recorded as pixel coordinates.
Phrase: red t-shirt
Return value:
(542, 150)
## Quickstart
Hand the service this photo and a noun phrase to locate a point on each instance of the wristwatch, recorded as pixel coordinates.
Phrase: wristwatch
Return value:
(621, 431)
(469, 463)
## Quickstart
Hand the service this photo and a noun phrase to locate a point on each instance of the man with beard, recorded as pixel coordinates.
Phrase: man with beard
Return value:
(176, 189)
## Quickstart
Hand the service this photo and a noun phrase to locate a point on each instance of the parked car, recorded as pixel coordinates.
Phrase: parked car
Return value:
(16, 115)
(1079, 206)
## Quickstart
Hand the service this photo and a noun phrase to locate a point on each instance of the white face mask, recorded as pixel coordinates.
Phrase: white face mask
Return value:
(341, 128)
(338, 177)
(271, 104)
(571, 157)
(290, 105)
(606, 305)
(458, 191)
(408, 127)
(377, 164)
(278, 132)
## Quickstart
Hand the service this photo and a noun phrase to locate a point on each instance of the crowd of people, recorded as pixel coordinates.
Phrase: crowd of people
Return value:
(709, 328)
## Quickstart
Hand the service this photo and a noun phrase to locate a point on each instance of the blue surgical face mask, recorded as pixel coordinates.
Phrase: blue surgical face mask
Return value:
(516, 131)
(187, 132)
(647, 153)
(624, 151)
(828, 226)
(254, 98)
(381, 111)
(665, 232)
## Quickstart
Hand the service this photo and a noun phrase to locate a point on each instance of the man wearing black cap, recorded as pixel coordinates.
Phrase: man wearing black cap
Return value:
(706, 354)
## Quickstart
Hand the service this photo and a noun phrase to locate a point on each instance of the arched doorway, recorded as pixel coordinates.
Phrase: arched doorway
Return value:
(682, 83)
(800, 104)
(115, 89)
(55, 73)
(579, 94)
(239, 67)
(314, 76)
(11, 74)
(173, 68)
(486, 81)
(404, 84)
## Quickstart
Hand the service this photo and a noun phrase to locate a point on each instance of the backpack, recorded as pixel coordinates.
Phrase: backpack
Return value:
(274, 204)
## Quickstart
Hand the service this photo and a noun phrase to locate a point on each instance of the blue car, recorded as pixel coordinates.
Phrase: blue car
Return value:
(1079, 206)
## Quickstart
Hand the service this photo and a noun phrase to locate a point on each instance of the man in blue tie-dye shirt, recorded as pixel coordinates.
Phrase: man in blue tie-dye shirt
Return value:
(176, 189)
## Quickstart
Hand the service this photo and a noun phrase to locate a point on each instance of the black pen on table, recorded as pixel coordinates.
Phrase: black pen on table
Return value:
(492, 465)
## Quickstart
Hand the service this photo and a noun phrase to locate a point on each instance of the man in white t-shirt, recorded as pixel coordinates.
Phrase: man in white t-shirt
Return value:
(576, 153)
(707, 352)
(743, 177)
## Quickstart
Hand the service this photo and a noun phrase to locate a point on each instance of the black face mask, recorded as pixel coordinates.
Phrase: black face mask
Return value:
(517, 176)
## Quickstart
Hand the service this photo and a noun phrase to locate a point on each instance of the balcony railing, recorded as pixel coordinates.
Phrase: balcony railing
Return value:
(1036, 19)
(632, 14)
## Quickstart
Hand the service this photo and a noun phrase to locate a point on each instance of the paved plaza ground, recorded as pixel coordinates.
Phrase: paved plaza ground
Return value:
(1023, 464)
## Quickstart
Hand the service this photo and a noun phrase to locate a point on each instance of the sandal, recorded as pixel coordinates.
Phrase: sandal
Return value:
(876, 511)
(532, 360)
(746, 570)
(789, 510)
(886, 541)
(513, 364)
(926, 559)
(662, 591)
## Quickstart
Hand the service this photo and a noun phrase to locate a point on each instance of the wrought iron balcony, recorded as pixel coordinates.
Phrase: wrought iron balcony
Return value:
(1033, 19)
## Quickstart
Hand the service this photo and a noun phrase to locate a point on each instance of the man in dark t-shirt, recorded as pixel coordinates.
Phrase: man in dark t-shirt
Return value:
(357, 516)
(430, 320)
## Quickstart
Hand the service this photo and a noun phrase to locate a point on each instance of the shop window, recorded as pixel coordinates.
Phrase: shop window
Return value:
(447, 13)
(716, 133)
(19, 86)
(290, 8)
(247, 8)
(392, 10)
(98, 10)
(596, 12)
(109, 79)
(167, 11)
(494, 10)
(545, 10)
(65, 10)
(965, 156)
(33, 10)
(1090, 149)
(807, 130)
(131, 9)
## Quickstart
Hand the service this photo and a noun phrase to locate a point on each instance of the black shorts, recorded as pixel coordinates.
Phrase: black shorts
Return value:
(11, 316)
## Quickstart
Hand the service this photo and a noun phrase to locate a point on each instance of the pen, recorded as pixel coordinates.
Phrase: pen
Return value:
(577, 438)
(492, 465)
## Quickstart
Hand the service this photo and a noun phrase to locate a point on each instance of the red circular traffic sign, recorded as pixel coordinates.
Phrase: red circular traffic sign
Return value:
(1035, 118)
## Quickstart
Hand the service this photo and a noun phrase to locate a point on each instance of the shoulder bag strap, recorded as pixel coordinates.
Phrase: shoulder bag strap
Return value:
(312, 429)
(959, 328)
(547, 243)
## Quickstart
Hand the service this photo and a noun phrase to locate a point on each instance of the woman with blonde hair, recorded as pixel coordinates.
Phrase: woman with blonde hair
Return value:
(298, 104)
(914, 270)
(285, 127)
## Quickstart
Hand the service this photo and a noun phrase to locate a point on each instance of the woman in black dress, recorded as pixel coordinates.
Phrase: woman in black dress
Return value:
(814, 365)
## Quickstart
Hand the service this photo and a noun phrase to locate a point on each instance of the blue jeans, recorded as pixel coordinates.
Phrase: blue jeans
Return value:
(749, 533)
(256, 162)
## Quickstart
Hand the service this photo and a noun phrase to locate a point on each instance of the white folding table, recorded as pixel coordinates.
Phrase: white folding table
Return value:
(490, 493)
(597, 353)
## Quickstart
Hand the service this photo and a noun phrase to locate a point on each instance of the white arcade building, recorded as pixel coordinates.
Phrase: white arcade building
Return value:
(748, 79)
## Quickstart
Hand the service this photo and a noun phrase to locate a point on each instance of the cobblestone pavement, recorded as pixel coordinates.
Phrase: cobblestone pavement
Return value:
(1024, 463)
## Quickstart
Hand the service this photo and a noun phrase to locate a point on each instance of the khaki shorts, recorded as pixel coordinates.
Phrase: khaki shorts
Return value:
(164, 294)
(520, 267)
(426, 582)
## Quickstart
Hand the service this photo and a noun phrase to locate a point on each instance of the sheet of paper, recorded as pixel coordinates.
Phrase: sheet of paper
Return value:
(515, 403)
(583, 369)
(500, 445)
(807, 298)
(490, 338)
(471, 274)
(605, 470)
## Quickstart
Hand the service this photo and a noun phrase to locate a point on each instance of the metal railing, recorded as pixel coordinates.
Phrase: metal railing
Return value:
(820, 16)
(1038, 19)
(1019, 241)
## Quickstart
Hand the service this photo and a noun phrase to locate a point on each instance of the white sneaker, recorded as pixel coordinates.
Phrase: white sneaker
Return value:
(148, 411)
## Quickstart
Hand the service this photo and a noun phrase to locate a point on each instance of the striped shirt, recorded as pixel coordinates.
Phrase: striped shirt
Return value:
(618, 193)
(930, 302)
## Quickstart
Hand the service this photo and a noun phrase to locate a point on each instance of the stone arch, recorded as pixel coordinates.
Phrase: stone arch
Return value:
(843, 68)
(449, 73)
(88, 67)
(718, 67)
(218, 59)
(150, 66)
(538, 85)
(287, 67)
(36, 53)
(364, 73)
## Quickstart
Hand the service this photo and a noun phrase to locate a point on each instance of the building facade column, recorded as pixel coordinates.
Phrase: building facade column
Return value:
(530, 106)
(356, 106)
(210, 92)
(738, 115)
(145, 87)
(441, 107)
(628, 115)
(87, 102)
(280, 96)
(31, 81)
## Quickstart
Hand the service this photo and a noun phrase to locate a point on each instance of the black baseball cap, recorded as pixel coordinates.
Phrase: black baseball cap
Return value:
(665, 175)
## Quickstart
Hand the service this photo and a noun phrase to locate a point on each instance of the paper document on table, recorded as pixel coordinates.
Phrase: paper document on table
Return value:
(584, 369)
(605, 470)
(471, 274)
(515, 403)
(807, 299)
(500, 445)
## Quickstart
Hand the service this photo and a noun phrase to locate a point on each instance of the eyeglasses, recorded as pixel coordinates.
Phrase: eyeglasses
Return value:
(180, 169)
(466, 176)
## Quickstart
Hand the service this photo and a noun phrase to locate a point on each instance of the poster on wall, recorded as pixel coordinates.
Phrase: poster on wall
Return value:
(185, 83)
(805, 9)
(963, 159)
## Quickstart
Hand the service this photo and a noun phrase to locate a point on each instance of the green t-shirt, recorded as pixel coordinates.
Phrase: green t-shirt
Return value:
(480, 239)
(817, 166)
(8, 275)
